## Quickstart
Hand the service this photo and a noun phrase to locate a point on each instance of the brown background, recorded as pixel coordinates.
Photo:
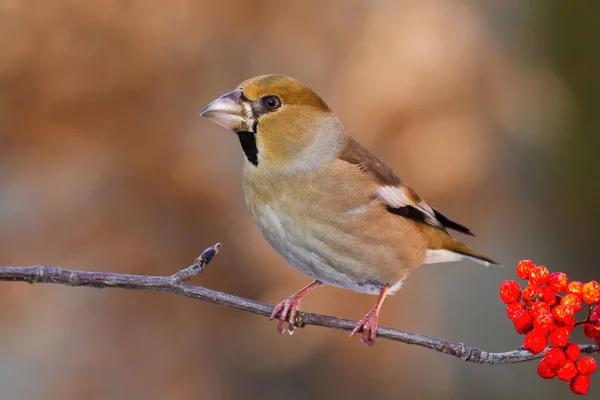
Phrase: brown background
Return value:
(487, 108)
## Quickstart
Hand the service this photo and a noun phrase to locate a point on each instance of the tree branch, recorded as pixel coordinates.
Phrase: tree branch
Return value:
(175, 284)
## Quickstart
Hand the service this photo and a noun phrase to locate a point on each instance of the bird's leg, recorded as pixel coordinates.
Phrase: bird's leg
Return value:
(369, 323)
(288, 308)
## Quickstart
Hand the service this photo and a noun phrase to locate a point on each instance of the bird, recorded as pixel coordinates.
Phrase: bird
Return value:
(328, 206)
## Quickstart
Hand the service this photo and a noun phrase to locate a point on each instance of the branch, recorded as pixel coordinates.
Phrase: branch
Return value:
(176, 284)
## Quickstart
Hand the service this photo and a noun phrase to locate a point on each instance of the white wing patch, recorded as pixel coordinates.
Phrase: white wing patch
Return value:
(396, 197)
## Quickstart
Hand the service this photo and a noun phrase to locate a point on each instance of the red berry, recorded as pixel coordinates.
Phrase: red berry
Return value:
(562, 312)
(548, 295)
(595, 316)
(560, 337)
(523, 321)
(591, 330)
(545, 370)
(567, 372)
(510, 291)
(568, 323)
(536, 341)
(555, 357)
(539, 276)
(575, 287)
(531, 294)
(597, 341)
(586, 366)
(591, 292)
(580, 384)
(524, 269)
(573, 352)
(572, 300)
(538, 308)
(512, 308)
(558, 282)
(544, 321)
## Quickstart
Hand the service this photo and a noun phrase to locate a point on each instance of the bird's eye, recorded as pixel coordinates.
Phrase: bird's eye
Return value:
(272, 102)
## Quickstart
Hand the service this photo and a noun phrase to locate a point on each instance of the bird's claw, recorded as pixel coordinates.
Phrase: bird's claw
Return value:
(287, 310)
(368, 325)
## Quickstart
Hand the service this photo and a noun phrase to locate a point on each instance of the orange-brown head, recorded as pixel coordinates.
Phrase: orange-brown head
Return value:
(281, 123)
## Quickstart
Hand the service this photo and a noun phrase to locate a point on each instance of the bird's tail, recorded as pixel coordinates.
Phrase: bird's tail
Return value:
(453, 250)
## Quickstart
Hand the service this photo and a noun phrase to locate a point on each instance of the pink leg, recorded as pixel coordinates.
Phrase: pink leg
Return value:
(288, 308)
(369, 323)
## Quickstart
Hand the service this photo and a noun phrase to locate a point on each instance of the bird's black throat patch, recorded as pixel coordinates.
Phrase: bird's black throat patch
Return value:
(248, 142)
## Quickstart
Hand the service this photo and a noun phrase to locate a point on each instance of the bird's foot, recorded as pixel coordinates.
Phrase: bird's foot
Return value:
(368, 325)
(287, 311)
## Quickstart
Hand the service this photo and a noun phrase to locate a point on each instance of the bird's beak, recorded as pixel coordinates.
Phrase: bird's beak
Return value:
(232, 110)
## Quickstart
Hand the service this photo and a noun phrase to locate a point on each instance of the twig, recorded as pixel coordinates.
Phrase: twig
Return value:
(176, 284)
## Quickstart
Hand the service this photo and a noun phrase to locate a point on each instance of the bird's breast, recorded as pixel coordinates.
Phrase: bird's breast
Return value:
(288, 228)
(326, 239)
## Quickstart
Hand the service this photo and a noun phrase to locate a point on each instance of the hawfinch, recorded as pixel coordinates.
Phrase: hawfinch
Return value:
(332, 209)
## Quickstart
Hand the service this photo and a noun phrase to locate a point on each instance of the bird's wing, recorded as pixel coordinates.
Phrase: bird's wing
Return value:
(398, 196)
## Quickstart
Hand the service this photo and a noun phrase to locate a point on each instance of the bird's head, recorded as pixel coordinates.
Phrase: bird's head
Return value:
(281, 123)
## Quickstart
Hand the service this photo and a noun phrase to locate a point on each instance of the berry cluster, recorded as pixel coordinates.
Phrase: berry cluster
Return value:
(544, 311)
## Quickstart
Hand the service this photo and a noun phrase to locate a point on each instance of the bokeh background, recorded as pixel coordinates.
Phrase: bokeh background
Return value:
(487, 108)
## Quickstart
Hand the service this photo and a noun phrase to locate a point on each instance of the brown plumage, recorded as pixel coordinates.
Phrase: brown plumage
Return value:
(332, 209)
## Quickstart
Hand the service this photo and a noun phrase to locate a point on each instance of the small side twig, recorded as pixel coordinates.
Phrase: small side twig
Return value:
(198, 265)
(177, 284)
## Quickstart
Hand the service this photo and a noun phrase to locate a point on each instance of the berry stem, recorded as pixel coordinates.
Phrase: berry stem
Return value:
(587, 320)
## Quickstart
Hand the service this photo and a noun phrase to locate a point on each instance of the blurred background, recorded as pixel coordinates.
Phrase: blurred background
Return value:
(487, 108)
